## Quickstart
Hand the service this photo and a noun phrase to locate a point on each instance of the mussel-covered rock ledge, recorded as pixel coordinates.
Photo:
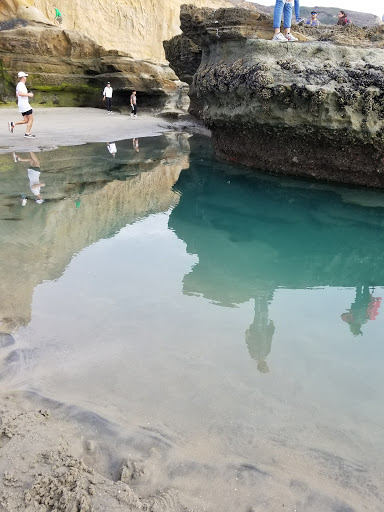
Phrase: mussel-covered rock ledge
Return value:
(314, 108)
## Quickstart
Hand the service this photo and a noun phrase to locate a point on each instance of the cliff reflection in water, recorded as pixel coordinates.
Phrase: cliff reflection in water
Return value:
(88, 196)
(255, 234)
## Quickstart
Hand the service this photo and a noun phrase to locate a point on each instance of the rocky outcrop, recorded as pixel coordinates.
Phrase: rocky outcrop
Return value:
(69, 69)
(184, 51)
(312, 108)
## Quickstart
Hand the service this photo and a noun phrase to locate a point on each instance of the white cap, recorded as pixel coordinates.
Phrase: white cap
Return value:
(20, 74)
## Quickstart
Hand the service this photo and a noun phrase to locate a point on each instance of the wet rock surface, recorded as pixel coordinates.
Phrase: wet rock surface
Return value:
(314, 108)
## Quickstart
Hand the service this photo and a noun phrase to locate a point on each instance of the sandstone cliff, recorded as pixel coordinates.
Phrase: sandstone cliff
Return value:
(313, 108)
(69, 69)
(132, 26)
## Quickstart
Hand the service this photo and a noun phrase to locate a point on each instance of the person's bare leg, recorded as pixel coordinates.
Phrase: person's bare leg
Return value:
(24, 121)
(19, 159)
(30, 123)
(34, 160)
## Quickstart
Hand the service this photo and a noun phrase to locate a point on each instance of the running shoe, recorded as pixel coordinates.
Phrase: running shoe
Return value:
(279, 38)
(300, 21)
(291, 38)
(15, 157)
(11, 126)
(29, 136)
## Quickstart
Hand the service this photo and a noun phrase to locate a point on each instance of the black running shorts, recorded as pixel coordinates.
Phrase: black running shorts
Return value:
(27, 113)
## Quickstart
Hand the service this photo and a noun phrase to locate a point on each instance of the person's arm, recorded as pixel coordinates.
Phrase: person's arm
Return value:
(25, 94)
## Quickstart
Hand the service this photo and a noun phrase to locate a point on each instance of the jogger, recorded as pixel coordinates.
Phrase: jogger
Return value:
(24, 106)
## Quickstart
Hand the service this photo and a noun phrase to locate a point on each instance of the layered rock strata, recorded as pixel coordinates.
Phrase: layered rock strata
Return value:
(313, 108)
(69, 69)
(132, 26)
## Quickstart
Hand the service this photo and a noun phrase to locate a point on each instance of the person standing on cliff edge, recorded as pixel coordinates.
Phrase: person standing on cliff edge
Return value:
(343, 20)
(299, 20)
(58, 17)
(107, 96)
(283, 8)
(25, 109)
(133, 104)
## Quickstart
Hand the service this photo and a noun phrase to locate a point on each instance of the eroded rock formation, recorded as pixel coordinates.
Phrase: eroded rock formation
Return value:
(69, 69)
(132, 26)
(313, 108)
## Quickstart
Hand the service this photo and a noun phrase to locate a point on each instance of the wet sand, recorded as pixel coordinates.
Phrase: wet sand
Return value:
(48, 464)
(70, 126)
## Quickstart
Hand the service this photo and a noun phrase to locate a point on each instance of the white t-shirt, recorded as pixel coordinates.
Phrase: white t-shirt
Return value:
(22, 101)
(34, 179)
(108, 92)
(112, 148)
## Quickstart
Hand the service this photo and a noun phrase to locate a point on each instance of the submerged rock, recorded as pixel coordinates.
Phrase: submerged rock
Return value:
(313, 108)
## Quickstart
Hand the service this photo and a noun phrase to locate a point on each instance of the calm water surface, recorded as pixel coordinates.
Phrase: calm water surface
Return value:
(224, 327)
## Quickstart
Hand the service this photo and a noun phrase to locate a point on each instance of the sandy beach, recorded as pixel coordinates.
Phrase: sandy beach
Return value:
(71, 126)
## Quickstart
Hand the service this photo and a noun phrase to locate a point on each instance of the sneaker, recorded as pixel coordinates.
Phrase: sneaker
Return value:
(29, 136)
(11, 126)
(300, 21)
(280, 38)
(135, 115)
(15, 157)
(291, 38)
(111, 112)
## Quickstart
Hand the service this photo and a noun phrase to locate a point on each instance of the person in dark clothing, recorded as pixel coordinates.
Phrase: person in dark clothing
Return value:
(107, 96)
(133, 101)
(343, 20)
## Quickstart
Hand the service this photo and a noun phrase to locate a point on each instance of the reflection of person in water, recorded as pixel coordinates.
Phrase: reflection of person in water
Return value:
(33, 175)
(112, 148)
(366, 307)
(135, 143)
(258, 336)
